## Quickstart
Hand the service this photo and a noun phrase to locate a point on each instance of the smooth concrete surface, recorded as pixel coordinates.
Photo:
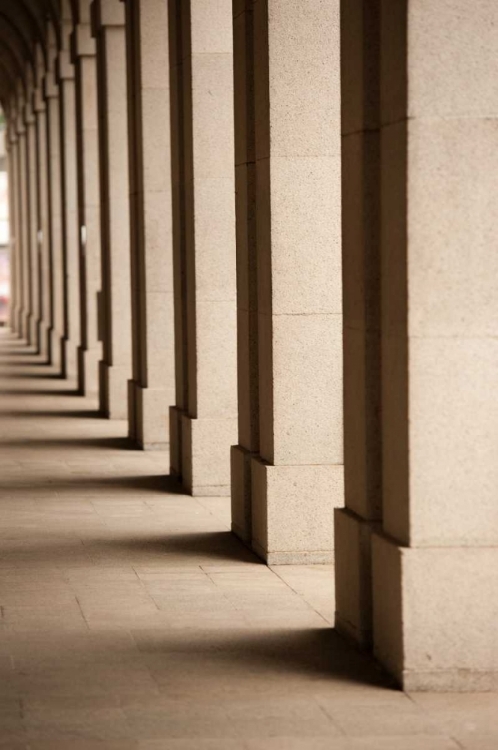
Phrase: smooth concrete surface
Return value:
(131, 619)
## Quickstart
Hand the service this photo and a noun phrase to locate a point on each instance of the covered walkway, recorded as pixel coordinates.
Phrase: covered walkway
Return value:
(132, 618)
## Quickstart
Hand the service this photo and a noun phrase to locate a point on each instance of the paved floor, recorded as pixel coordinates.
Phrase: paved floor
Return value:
(131, 618)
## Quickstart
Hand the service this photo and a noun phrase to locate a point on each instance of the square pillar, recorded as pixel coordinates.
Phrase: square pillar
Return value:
(33, 308)
(83, 55)
(247, 294)
(108, 28)
(15, 228)
(43, 211)
(354, 525)
(12, 157)
(433, 554)
(152, 389)
(203, 422)
(51, 93)
(289, 288)
(65, 75)
(23, 203)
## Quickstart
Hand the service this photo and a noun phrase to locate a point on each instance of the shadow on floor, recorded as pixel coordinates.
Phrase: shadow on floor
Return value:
(31, 375)
(211, 545)
(129, 550)
(20, 352)
(81, 485)
(70, 444)
(38, 392)
(56, 414)
(313, 653)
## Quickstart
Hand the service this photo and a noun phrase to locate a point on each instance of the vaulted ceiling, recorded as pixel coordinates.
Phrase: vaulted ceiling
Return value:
(29, 30)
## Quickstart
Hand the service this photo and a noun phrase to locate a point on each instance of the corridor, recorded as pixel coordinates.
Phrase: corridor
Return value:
(132, 618)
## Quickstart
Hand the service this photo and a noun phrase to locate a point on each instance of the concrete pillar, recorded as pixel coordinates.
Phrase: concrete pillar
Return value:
(360, 72)
(51, 92)
(247, 296)
(108, 18)
(203, 422)
(85, 65)
(152, 389)
(43, 212)
(23, 218)
(70, 233)
(13, 158)
(32, 218)
(435, 559)
(289, 291)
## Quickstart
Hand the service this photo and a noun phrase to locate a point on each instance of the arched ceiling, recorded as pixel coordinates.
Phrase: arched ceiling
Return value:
(27, 29)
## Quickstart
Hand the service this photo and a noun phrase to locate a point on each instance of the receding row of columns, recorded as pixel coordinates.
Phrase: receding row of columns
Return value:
(307, 321)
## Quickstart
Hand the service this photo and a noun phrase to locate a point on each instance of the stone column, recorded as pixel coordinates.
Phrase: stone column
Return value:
(247, 295)
(85, 65)
(108, 18)
(42, 189)
(360, 60)
(23, 217)
(435, 561)
(289, 293)
(70, 234)
(32, 219)
(13, 158)
(204, 420)
(51, 91)
(152, 389)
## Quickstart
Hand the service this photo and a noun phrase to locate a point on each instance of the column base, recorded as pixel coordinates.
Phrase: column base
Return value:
(292, 512)
(13, 318)
(56, 348)
(88, 370)
(32, 328)
(353, 576)
(175, 441)
(44, 340)
(240, 464)
(205, 459)
(69, 359)
(25, 327)
(148, 410)
(113, 390)
(434, 615)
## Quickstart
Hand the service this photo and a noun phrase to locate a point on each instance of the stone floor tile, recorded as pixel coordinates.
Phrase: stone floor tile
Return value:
(132, 619)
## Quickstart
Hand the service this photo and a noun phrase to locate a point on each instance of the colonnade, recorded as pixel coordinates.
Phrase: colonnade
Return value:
(263, 233)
